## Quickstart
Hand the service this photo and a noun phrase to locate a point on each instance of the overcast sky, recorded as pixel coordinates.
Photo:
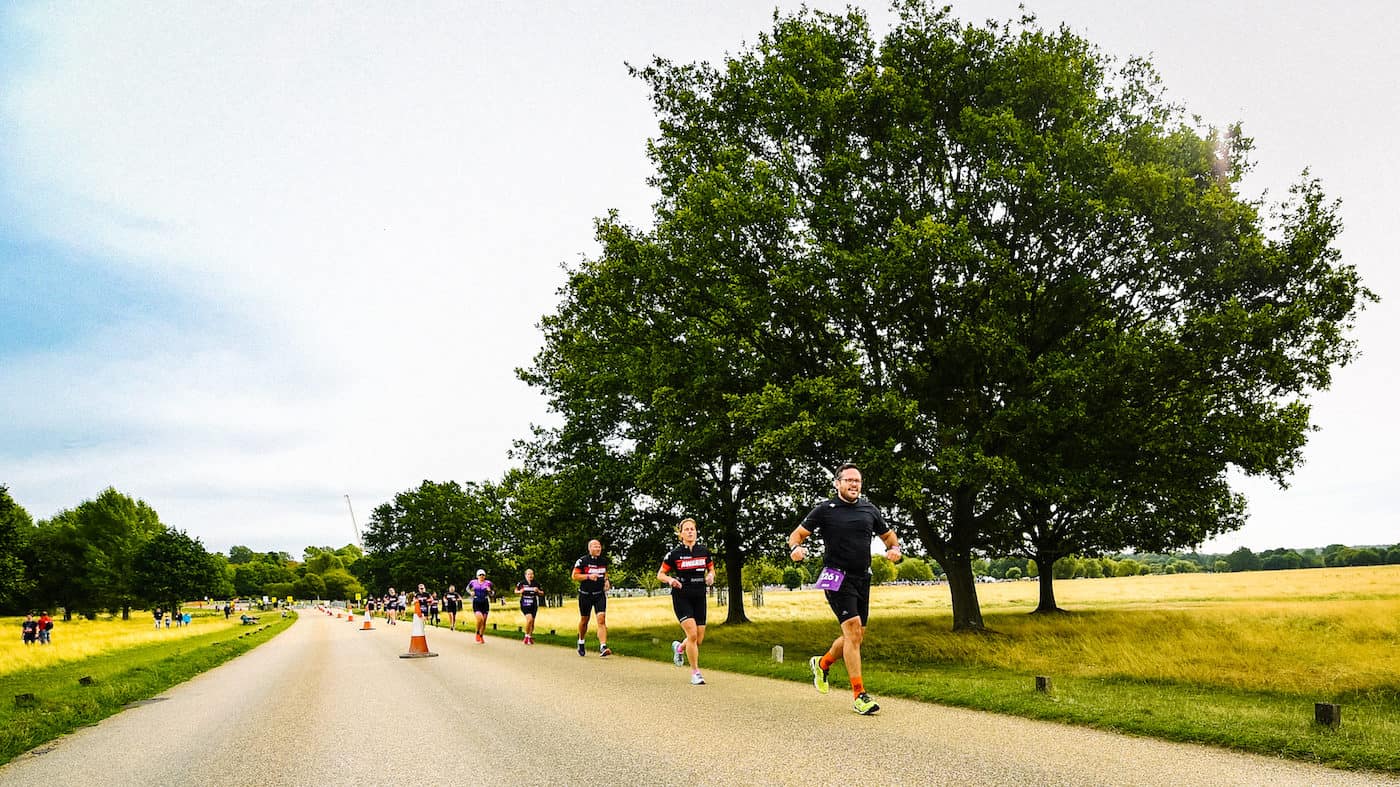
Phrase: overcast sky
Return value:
(256, 257)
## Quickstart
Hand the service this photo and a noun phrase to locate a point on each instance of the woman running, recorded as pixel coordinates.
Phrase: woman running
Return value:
(481, 601)
(530, 593)
(694, 573)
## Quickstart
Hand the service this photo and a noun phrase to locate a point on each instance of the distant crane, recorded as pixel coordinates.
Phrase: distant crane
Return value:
(353, 524)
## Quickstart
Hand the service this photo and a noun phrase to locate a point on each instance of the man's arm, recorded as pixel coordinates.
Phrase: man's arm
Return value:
(891, 542)
(796, 551)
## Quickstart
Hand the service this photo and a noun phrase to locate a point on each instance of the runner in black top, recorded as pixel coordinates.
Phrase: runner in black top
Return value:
(694, 572)
(424, 599)
(451, 602)
(591, 573)
(847, 524)
(530, 593)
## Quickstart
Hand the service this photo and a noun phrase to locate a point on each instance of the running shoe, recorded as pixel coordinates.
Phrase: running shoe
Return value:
(865, 705)
(819, 675)
(479, 638)
(581, 650)
(677, 656)
(696, 679)
(604, 651)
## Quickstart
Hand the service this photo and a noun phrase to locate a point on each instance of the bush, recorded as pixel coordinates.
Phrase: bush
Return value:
(793, 577)
(912, 569)
(881, 570)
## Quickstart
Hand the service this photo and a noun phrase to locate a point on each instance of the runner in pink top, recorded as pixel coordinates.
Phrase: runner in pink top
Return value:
(480, 588)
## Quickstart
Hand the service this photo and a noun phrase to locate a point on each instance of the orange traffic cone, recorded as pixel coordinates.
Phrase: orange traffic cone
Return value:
(352, 616)
(367, 626)
(418, 642)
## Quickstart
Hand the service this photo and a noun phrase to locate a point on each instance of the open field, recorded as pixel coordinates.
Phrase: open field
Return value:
(1235, 660)
(41, 696)
(80, 639)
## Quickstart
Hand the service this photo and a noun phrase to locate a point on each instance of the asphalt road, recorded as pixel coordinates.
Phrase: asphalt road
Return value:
(327, 704)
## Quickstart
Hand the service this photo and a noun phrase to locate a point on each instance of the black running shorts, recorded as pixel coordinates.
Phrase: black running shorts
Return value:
(852, 599)
(689, 604)
(588, 603)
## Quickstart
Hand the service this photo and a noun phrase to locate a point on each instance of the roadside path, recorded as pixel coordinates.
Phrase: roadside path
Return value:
(325, 703)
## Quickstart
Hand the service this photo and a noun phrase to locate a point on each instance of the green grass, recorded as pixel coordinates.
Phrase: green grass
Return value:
(120, 677)
(1175, 659)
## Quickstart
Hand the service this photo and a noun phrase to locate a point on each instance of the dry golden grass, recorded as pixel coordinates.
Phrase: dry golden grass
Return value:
(79, 639)
(1324, 632)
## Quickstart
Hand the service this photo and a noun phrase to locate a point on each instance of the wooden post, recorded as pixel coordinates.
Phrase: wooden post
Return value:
(778, 653)
(1328, 714)
(1042, 684)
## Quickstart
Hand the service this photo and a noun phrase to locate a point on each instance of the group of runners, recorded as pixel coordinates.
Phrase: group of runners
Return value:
(847, 524)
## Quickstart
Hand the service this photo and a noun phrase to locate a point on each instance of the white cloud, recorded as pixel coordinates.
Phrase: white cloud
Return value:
(371, 204)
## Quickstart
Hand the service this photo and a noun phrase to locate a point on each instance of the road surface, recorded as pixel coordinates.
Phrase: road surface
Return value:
(327, 704)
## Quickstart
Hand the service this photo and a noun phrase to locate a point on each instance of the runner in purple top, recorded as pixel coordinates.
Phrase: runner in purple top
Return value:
(480, 588)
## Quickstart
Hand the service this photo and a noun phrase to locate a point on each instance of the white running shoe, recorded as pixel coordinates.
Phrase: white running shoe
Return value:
(696, 679)
(677, 655)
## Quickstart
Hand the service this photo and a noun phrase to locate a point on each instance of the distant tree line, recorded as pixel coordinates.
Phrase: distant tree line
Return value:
(109, 554)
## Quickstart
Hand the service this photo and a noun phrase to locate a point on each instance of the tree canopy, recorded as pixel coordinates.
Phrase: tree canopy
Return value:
(990, 261)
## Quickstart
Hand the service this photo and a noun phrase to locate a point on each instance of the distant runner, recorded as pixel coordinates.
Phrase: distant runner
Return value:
(451, 602)
(591, 573)
(694, 572)
(530, 593)
(847, 525)
(480, 588)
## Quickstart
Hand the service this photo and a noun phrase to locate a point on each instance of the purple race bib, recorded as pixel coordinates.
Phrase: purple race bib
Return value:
(831, 578)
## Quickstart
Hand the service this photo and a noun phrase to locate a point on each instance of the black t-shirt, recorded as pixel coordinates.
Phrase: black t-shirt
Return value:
(689, 564)
(451, 601)
(529, 593)
(595, 568)
(846, 529)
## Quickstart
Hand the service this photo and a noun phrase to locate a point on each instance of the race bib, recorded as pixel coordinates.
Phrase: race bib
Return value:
(831, 578)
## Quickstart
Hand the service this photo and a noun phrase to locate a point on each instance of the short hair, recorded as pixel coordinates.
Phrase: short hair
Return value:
(844, 467)
(681, 524)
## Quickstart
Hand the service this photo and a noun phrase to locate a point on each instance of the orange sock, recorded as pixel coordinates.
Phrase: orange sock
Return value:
(826, 661)
(857, 686)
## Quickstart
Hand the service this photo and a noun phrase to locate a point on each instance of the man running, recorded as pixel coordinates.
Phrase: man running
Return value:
(480, 588)
(591, 573)
(530, 593)
(451, 602)
(694, 572)
(424, 601)
(847, 524)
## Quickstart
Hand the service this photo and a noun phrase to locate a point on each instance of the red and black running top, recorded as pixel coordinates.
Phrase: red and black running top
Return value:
(689, 565)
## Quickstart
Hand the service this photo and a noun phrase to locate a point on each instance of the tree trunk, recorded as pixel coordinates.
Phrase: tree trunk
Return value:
(126, 612)
(1045, 563)
(954, 554)
(734, 571)
(962, 586)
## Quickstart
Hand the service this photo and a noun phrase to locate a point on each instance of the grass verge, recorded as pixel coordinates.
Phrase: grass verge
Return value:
(40, 704)
(1235, 661)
